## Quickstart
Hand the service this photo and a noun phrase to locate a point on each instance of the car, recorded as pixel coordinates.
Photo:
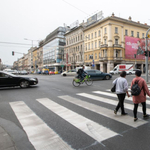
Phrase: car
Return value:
(133, 72)
(51, 72)
(97, 74)
(69, 73)
(11, 80)
(23, 72)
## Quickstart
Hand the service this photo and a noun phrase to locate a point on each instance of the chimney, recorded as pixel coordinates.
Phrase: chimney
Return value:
(138, 22)
(145, 24)
(112, 15)
(130, 18)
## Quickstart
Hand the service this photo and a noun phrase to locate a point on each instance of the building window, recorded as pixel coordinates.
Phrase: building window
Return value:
(99, 43)
(142, 35)
(95, 55)
(105, 30)
(95, 44)
(137, 34)
(99, 55)
(105, 41)
(126, 32)
(86, 57)
(132, 33)
(89, 37)
(116, 30)
(89, 46)
(95, 34)
(99, 33)
(116, 41)
(92, 36)
(92, 45)
(86, 47)
(81, 36)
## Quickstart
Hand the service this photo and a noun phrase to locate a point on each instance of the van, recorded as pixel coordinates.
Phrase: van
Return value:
(122, 67)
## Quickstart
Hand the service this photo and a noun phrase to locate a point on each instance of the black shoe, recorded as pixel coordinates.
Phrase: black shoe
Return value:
(115, 111)
(124, 114)
(135, 119)
(146, 116)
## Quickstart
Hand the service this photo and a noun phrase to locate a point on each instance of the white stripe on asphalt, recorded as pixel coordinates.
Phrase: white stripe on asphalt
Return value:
(40, 135)
(112, 102)
(128, 120)
(114, 95)
(91, 128)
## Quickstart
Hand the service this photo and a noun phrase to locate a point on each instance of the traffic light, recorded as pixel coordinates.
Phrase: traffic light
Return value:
(13, 53)
(145, 53)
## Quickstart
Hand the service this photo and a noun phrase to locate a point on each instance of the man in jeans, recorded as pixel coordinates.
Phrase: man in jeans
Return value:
(81, 73)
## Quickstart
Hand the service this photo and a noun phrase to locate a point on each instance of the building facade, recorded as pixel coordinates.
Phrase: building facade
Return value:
(105, 43)
(74, 49)
(53, 50)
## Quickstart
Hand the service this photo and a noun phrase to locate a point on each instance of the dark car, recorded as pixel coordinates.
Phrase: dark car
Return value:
(97, 74)
(9, 80)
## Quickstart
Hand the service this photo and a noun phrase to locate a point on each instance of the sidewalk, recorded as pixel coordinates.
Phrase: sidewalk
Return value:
(6, 142)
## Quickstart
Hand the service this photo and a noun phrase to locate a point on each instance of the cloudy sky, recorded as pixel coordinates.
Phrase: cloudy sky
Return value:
(35, 19)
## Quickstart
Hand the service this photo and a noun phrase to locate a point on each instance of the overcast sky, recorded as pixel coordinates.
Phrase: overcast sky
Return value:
(35, 19)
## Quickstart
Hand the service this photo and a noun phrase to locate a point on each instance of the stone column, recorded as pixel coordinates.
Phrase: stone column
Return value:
(101, 66)
(110, 66)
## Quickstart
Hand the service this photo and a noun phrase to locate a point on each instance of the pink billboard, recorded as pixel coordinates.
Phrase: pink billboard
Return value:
(135, 46)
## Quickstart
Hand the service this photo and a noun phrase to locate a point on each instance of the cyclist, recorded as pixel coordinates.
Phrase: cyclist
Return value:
(81, 73)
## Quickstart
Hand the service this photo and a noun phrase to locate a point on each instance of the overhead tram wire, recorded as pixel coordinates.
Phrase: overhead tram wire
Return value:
(76, 7)
(14, 43)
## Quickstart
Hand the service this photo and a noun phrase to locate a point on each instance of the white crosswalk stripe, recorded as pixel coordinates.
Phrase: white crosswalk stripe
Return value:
(40, 135)
(91, 128)
(44, 137)
(128, 120)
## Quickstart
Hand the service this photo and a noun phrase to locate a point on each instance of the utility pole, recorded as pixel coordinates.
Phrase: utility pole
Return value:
(146, 57)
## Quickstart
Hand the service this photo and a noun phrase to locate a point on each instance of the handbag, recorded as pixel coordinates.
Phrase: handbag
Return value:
(113, 89)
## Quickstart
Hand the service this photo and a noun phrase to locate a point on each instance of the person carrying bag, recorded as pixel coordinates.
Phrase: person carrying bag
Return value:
(121, 91)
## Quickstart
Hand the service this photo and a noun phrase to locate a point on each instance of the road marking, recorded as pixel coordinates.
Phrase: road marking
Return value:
(128, 120)
(108, 101)
(114, 95)
(40, 135)
(91, 128)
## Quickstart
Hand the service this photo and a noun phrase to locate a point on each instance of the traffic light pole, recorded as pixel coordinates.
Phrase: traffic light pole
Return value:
(146, 57)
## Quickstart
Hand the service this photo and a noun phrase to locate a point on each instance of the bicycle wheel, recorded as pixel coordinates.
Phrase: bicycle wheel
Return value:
(75, 83)
(89, 81)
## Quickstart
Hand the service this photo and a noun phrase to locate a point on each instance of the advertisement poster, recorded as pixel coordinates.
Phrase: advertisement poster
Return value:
(135, 46)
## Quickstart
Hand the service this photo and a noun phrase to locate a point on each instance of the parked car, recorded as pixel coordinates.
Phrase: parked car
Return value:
(133, 72)
(9, 80)
(51, 72)
(97, 74)
(23, 72)
(69, 73)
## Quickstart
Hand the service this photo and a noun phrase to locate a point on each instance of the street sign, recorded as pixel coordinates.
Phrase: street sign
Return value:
(62, 65)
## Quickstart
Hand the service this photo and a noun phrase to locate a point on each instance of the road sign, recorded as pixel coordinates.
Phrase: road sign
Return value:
(62, 65)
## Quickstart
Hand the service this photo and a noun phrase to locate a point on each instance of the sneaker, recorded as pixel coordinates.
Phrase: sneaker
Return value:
(135, 119)
(124, 114)
(146, 116)
(115, 111)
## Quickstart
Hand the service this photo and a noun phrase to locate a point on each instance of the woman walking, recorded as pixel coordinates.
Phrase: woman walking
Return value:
(141, 98)
(121, 91)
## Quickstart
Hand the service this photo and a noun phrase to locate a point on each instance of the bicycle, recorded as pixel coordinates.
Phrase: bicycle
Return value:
(76, 81)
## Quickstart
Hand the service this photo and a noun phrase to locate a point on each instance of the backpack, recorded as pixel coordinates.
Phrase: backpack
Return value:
(135, 89)
(80, 71)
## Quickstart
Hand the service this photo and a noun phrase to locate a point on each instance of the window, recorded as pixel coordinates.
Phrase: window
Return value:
(89, 37)
(105, 30)
(89, 46)
(137, 34)
(99, 33)
(95, 55)
(92, 45)
(81, 36)
(86, 47)
(95, 34)
(116, 41)
(95, 44)
(126, 32)
(92, 35)
(105, 41)
(99, 44)
(99, 55)
(142, 35)
(116, 30)
(132, 33)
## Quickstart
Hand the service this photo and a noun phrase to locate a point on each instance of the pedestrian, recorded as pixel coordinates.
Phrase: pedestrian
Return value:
(141, 98)
(121, 91)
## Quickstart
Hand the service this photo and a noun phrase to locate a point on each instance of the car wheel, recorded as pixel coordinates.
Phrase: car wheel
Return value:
(107, 77)
(24, 84)
(64, 75)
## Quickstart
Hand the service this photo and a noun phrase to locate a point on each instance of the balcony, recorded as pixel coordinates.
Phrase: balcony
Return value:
(103, 58)
(118, 58)
(104, 45)
(116, 45)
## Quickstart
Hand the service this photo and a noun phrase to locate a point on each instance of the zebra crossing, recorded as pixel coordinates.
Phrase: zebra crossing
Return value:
(43, 137)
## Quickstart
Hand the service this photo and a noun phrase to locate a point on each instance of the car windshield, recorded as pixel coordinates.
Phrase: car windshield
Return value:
(10, 74)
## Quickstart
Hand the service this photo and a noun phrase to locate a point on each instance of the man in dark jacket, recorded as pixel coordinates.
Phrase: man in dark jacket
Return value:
(81, 73)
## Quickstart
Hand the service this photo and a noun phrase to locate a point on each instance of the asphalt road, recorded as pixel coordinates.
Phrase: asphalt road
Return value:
(79, 118)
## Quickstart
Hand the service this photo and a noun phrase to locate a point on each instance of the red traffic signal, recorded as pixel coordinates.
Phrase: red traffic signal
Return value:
(13, 53)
